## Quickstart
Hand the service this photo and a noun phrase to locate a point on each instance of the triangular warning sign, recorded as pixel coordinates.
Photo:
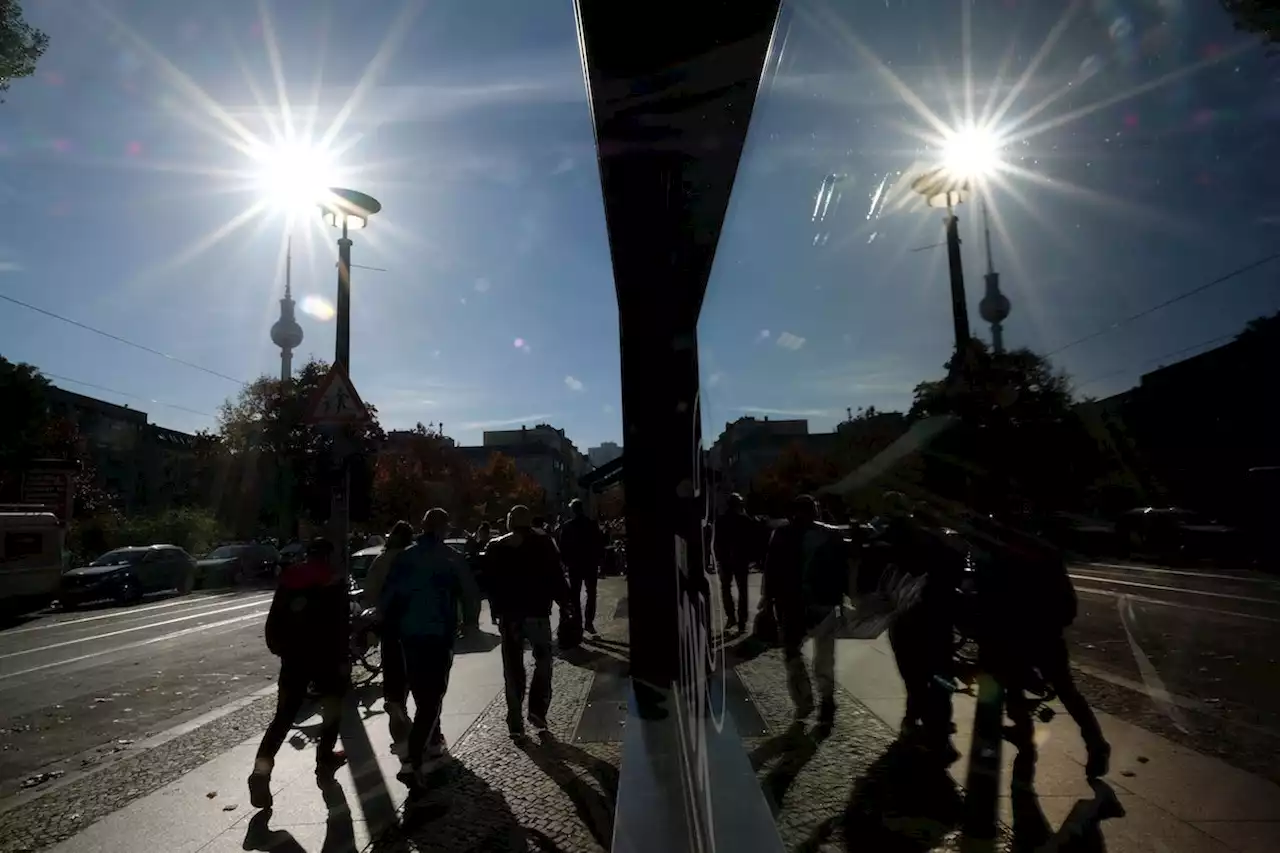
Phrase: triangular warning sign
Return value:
(336, 401)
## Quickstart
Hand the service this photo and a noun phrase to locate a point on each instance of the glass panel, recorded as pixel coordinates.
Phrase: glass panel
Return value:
(1088, 470)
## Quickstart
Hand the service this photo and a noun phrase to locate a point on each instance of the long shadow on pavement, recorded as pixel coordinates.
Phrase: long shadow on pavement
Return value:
(339, 836)
(795, 747)
(594, 807)
(1081, 832)
(459, 813)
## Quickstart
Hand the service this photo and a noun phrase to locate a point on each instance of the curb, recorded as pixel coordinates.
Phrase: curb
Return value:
(188, 722)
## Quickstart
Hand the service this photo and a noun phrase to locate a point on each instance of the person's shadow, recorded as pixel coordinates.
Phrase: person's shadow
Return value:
(458, 811)
(595, 809)
(795, 748)
(905, 802)
(339, 834)
(1081, 832)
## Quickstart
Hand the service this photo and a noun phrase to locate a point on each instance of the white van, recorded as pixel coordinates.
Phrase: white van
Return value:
(32, 559)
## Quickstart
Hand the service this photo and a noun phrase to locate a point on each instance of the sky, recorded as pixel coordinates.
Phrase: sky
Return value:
(153, 167)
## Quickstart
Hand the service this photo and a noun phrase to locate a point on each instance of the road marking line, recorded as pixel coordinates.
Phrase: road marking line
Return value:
(96, 637)
(1207, 575)
(1175, 605)
(1274, 602)
(139, 644)
(196, 601)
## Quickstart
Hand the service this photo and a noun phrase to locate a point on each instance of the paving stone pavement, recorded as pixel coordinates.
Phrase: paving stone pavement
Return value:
(63, 812)
(543, 793)
(849, 788)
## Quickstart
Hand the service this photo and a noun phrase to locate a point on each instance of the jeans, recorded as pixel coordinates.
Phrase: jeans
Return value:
(578, 577)
(537, 630)
(1050, 656)
(729, 575)
(395, 679)
(428, 661)
(296, 675)
(921, 639)
(825, 622)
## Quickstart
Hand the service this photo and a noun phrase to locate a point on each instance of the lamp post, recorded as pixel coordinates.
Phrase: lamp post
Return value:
(349, 210)
(941, 189)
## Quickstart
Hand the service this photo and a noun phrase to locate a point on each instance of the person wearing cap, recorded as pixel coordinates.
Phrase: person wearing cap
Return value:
(420, 604)
(308, 628)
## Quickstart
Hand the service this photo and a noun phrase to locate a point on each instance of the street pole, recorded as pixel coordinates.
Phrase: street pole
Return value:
(959, 308)
(342, 342)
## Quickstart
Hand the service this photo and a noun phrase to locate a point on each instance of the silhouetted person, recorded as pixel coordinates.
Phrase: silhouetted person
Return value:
(736, 546)
(582, 549)
(421, 602)
(1034, 602)
(525, 579)
(395, 681)
(308, 627)
(476, 543)
(806, 575)
(922, 636)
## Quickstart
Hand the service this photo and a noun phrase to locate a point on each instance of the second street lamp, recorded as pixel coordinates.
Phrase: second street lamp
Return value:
(349, 210)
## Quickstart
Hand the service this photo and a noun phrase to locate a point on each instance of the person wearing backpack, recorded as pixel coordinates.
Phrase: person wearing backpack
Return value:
(806, 576)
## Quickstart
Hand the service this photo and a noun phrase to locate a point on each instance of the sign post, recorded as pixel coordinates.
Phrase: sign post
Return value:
(336, 407)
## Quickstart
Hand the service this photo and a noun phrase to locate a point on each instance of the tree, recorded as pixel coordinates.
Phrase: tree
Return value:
(796, 471)
(282, 467)
(420, 471)
(1261, 17)
(499, 485)
(21, 45)
(1016, 436)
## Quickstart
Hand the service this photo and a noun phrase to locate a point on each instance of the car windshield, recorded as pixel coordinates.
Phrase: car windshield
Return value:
(888, 334)
(121, 556)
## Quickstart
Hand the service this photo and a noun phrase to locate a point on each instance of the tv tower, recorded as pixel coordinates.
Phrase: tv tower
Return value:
(286, 333)
(994, 306)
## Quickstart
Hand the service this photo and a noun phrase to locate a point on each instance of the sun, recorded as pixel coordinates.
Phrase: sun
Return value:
(294, 176)
(972, 152)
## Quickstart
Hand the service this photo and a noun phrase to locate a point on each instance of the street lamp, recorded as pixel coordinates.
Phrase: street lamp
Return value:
(967, 156)
(349, 210)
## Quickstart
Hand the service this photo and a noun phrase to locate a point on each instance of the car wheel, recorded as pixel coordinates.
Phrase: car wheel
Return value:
(130, 591)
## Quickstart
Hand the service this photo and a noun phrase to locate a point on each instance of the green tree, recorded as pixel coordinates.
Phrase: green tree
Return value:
(1016, 437)
(420, 470)
(283, 467)
(21, 45)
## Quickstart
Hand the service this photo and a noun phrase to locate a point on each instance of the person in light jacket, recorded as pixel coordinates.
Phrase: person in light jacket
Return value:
(419, 603)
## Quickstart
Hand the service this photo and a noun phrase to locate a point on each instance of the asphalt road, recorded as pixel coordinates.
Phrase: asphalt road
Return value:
(79, 688)
(1192, 654)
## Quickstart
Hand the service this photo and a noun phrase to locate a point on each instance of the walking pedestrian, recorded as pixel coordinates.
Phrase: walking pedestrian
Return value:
(420, 603)
(734, 544)
(582, 548)
(525, 579)
(806, 577)
(395, 680)
(307, 628)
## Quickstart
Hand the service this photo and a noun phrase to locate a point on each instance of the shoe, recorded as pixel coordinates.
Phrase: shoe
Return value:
(260, 790)
(407, 775)
(516, 731)
(1099, 761)
(827, 711)
(538, 721)
(438, 751)
(327, 765)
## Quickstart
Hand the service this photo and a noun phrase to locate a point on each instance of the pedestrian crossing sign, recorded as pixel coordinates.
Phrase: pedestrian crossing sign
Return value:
(336, 401)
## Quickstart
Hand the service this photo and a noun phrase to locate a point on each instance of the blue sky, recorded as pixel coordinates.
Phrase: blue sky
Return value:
(1143, 173)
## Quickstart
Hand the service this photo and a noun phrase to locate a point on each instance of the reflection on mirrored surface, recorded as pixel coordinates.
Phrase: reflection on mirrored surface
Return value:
(972, 540)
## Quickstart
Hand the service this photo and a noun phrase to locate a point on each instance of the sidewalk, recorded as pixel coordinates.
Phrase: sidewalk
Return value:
(208, 809)
(1175, 800)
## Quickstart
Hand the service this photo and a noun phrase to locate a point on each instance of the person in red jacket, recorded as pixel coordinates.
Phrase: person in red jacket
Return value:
(308, 628)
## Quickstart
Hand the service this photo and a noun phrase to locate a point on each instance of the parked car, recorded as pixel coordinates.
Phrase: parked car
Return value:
(245, 561)
(126, 574)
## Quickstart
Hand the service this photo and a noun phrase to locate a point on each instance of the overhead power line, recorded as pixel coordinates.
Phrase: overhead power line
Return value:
(124, 341)
(1222, 279)
(120, 393)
